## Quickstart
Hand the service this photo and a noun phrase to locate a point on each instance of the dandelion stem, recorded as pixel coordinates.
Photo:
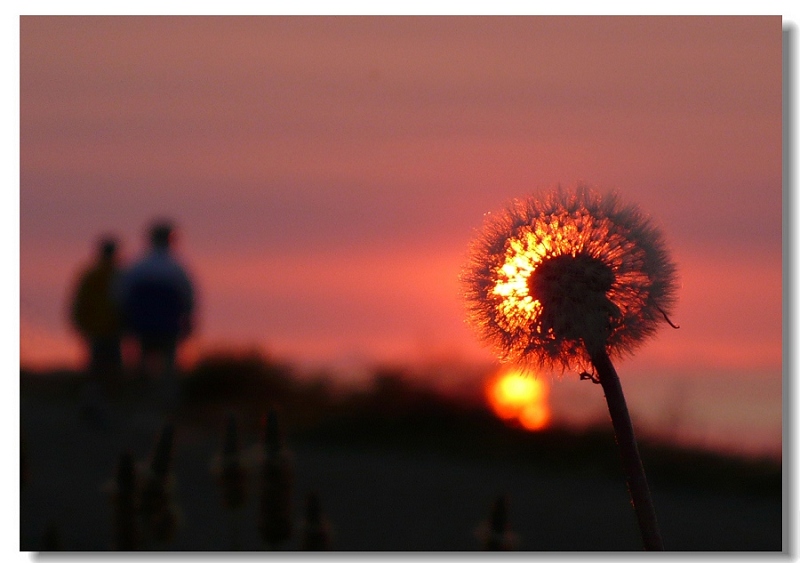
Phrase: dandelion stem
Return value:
(631, 461)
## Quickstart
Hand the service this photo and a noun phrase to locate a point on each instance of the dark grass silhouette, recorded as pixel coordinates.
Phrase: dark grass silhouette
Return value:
(397, 466)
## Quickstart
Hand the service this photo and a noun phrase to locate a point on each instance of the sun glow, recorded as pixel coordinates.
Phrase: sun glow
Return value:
(520, 398)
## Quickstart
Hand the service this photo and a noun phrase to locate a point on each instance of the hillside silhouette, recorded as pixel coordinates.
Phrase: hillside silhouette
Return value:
(393, 422)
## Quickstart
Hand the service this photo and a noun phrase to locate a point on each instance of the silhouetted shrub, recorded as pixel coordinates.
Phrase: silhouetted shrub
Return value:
(226, 377)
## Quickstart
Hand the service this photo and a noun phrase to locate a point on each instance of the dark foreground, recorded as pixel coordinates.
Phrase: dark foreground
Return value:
(388, 477)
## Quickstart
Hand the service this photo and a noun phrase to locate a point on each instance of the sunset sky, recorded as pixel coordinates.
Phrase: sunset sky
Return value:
(327, 174)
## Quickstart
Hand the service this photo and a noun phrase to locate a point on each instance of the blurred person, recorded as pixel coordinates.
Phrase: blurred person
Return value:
(95, 314)
(157, 298)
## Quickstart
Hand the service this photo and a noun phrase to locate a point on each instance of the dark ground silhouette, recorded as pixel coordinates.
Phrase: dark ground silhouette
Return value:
(394, 467)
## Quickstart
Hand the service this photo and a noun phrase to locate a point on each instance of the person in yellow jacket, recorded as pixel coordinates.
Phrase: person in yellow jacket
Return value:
(95, 313)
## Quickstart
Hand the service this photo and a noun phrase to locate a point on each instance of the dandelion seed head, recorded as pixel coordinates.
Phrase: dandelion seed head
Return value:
(562, 273)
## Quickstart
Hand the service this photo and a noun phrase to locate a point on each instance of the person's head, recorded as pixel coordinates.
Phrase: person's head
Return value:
(107, 248)
(161, 234)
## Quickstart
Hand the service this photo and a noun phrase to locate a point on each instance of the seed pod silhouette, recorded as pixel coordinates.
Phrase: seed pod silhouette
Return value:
(495, 533)
(277, 476)
(232, 476)
(157, 506)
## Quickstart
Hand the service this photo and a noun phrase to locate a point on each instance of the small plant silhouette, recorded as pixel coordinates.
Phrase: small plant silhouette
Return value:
(233, 475)
(495, 533)
(277, 476)
(157, 506)
(232, 478)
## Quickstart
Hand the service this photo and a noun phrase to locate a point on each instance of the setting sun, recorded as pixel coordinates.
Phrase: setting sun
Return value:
(522, 398)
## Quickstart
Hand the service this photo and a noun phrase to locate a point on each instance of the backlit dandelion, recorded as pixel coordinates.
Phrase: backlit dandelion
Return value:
(570, 279)
(556, 277)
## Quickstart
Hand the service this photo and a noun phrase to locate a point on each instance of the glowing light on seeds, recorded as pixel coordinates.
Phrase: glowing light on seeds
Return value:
(561, 273)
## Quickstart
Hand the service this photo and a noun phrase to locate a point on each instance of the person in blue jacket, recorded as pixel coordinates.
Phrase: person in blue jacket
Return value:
(158, 301)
